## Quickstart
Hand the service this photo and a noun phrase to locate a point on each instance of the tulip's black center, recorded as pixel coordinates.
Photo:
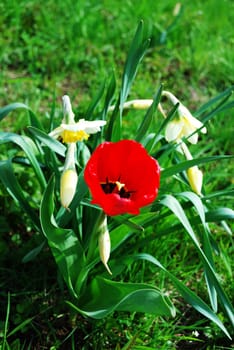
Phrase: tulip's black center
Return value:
(116, 187)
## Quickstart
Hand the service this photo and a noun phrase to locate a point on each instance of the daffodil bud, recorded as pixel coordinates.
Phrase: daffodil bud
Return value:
(139, 104)
(68, 184)
(195, 175)
(104, 244)
(195, 178)
(135, 104)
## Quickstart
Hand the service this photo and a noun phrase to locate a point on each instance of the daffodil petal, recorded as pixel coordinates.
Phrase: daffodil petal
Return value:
(197, 124)
(193, 138)
(173, 130)
(56, 132)
(189, 129)
(90, 127)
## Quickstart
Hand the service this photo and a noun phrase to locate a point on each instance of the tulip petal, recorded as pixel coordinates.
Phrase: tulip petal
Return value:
(118, 177)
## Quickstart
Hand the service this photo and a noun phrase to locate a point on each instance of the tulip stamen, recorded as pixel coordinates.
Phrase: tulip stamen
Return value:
(116, 187)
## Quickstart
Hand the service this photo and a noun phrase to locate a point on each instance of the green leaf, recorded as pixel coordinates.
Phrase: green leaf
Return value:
(12, 185)
(33, 253)
(104, 296)
(186, 293)
(141, 132)
(189, 163)
(4, 111)
(196, 201)
(124, 231)
(128, 222)
(220, 214)
(64, 244)
(223, 96)
(53, 144)
(198, 205)
(135, 55)
(94, 103)
(28, 147)
(171, 202)
(109, 94)
(137, 50)
(221, 107)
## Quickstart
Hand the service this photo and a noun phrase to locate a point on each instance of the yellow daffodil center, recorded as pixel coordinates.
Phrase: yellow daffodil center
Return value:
(74, 136)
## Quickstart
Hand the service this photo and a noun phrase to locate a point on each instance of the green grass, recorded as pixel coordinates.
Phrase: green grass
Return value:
(47, 50)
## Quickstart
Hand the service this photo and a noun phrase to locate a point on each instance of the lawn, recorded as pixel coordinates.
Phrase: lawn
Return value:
(180, 246)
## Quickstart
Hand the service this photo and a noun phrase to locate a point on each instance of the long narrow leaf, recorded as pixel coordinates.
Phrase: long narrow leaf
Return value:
(105, 296)
(189, 163)
(94, 102)
(137, 50)
(109, 94)
(28, 149)
(214, 100)
(141, 132)
(171, 202)
(220, 214)
(198, 205)
(64, 244)
(53, 144)
(11, 183)
(4, 111)
(186, 293)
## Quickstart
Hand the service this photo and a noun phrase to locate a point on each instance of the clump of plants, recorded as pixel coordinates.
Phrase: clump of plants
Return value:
(100, 197)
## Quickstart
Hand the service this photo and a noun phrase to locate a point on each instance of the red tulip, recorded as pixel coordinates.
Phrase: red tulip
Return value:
(122, 177)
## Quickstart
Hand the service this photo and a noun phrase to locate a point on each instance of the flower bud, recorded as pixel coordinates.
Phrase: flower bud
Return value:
(195, 177)
(104, 245)
(68, 184)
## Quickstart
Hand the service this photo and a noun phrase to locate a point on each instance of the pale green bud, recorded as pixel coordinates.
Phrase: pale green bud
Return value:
(195, 178)
(104, 244)
(68, 184)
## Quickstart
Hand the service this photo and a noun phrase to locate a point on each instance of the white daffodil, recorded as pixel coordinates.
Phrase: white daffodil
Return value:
(195, 175)
(185, 125)
(79, 131)
(70, 131)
